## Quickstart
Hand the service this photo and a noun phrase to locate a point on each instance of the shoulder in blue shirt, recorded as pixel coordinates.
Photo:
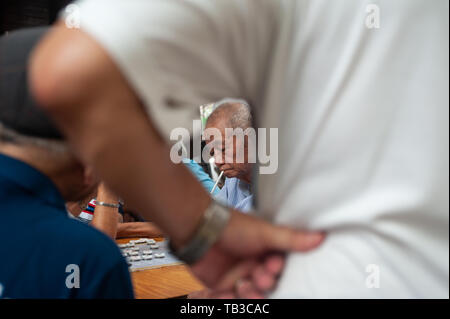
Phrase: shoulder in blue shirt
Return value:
(40, 243)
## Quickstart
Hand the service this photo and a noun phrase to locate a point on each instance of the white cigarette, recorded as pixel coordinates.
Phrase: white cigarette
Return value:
(217, 182)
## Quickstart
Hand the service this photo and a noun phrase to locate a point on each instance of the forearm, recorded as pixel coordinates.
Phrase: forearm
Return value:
(172, 198)
(106, 221)
(106, 218)
(138, 229)
(108, 128)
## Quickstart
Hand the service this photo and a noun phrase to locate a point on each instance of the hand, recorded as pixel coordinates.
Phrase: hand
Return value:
(260, 280)
(248, 257)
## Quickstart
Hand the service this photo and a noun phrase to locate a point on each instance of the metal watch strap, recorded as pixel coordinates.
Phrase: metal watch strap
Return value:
(107, 204)
(214, 221)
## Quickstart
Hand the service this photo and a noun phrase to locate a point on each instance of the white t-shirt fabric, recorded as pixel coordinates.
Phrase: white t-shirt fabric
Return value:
(362, 118)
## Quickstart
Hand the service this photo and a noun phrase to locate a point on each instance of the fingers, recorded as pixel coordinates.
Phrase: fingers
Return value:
(241, 270)
(274, 264)
(282, 238)
(256, 274)
(265, 275)
(246, 289)
(201, 294)
(262, 279)
(251, 279)
(215, 268)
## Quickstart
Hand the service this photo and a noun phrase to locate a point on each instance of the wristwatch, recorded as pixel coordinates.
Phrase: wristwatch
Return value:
(99, 203)
(214, 221)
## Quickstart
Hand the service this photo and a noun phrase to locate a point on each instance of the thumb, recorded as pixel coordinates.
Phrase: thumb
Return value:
(282, 238)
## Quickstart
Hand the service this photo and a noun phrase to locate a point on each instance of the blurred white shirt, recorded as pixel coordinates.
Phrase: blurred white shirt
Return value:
(362, 116)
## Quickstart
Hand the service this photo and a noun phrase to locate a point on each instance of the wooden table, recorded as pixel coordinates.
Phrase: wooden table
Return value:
(165, 282)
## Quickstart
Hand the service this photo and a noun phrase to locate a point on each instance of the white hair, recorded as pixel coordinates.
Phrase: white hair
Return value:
(240, 117)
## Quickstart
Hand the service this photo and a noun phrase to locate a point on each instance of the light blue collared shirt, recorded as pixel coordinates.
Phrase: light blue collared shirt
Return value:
(236, 193)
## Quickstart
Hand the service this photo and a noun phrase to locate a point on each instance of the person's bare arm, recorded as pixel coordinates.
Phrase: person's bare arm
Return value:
(138, 229)
(108, 128)
(79, 85)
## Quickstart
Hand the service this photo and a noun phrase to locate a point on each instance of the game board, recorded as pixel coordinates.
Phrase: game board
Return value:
(146, 253)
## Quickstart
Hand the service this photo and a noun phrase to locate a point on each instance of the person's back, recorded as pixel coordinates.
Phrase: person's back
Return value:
(364, 147)
(46, 254)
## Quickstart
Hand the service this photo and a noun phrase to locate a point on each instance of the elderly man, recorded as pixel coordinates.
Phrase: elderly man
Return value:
(237, 189)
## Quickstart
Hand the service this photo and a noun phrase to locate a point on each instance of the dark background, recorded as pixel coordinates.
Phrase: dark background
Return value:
(17, 14)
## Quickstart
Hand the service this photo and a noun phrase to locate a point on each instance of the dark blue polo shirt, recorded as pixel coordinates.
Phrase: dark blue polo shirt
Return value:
(41, 247)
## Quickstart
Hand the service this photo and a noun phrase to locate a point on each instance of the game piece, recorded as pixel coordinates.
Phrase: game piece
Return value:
(135, 258)
(150, 255)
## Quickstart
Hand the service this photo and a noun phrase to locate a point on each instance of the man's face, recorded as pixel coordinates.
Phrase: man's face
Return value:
(225, 152)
